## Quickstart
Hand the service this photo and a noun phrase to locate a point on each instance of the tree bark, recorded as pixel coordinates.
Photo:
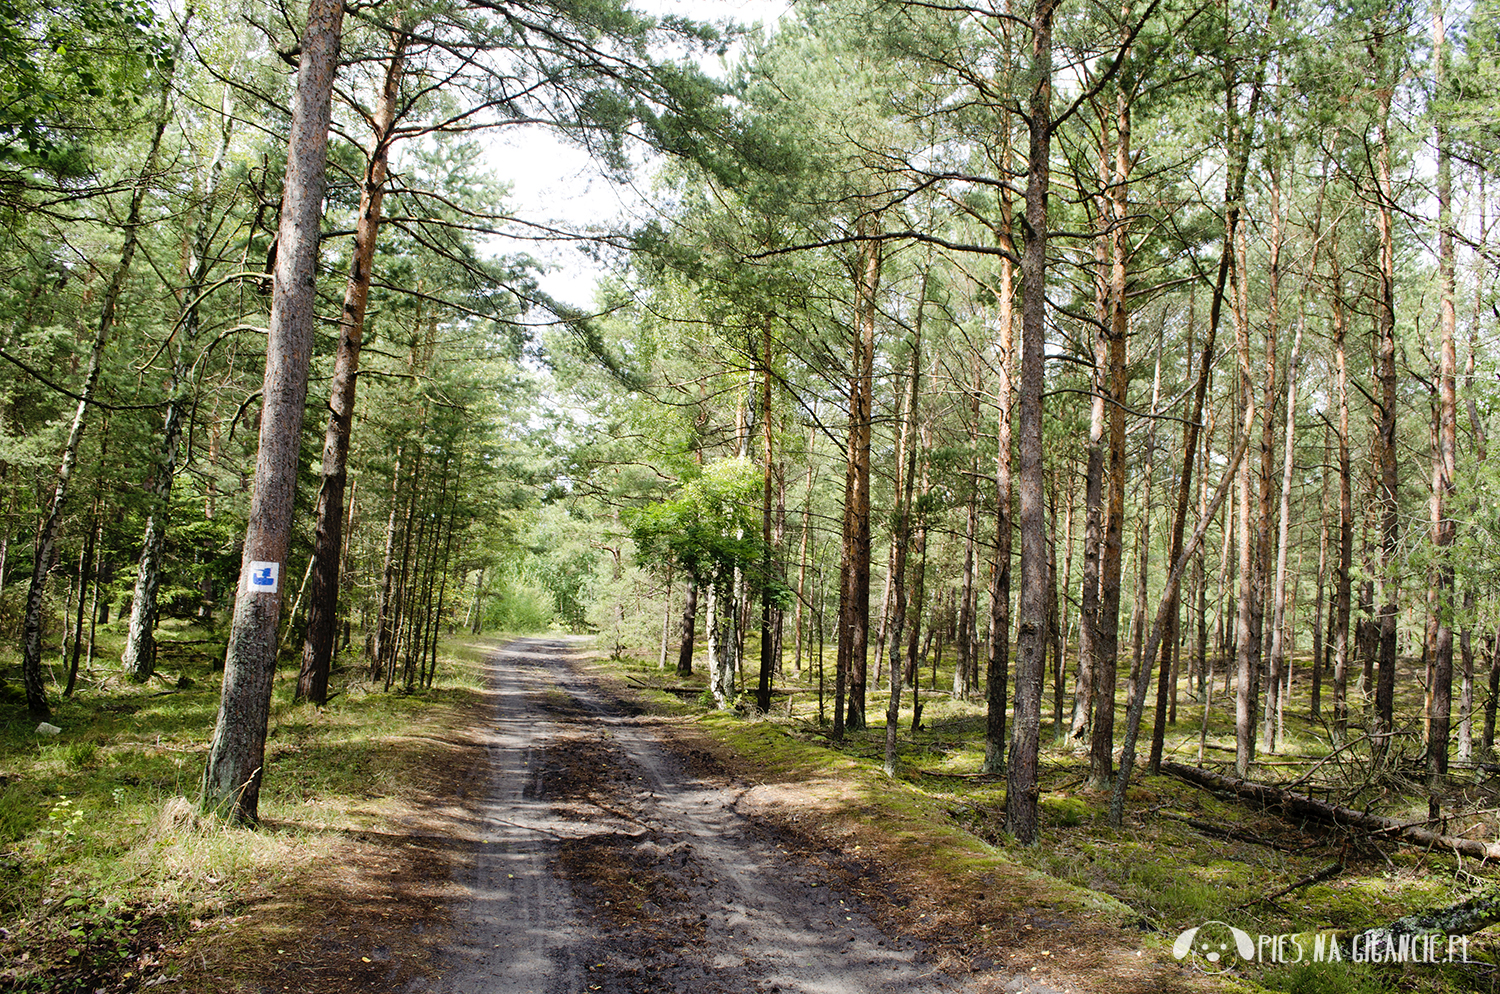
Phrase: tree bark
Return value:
(51, 525)
(768, 655)
(1137, 702)
(139, 655)
(1279, 652)
(903, 531)
(1022, 788)
(233, 774)
(1298, 807)
(1445, 455)
(322, 608)
(997, 673)
(1386, 440)
(854, 612)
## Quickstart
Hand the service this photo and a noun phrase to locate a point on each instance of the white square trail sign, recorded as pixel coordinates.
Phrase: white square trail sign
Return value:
(264, 577)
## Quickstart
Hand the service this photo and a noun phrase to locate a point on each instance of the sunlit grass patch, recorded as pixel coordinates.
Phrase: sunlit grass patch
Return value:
(100, 839)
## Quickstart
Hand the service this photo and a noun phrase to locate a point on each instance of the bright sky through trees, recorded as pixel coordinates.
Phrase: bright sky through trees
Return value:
(557, 184)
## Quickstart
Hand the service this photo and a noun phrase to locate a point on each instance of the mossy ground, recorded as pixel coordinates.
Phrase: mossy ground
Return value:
(1184, 856)
(109, 878)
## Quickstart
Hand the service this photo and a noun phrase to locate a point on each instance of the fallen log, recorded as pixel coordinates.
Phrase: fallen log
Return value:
(1298, 806)
(1465, 918)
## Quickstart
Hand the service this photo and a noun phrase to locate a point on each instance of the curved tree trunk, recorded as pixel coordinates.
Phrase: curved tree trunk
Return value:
(140, 641)
(46, 540)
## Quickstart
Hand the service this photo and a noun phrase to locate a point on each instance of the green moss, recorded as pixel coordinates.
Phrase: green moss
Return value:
(1064, 811)
(1324, 978)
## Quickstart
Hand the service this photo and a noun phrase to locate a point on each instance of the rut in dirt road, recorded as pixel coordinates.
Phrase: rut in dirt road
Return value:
(604, 866)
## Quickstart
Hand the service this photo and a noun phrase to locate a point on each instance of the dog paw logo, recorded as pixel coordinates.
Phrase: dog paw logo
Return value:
(1215, 947)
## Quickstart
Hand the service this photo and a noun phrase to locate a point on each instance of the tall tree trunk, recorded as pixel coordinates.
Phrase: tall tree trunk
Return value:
(1111, 563)
(854, 612)
(768, 658)
(1274, 703)
(903, 529)
(140, 641)
(997, 673)
(1343, 576)
(1278, 666)
(1386, 440)
(322, 608)
(1247, 621)
(233, 773)
(1445, 456)
(51, 525)
(1022, 789)
(1094, 489)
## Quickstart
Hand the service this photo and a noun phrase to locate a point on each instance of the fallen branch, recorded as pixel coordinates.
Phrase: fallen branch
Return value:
(1312, 878)
(1297, 806)
(1219, 831)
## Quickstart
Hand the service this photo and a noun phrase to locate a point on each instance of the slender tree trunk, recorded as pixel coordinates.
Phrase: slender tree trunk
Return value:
(689, 621)
(1111, 564)
(383, 622)
(802, 550)
(1386, 440)
(768, 658)
(1445, 456)
(997, 673)
(1064, 631)
(1247, 622)
(140, 640)
(1315, 710)
(1466, 688)
(917, 603)
(51, 525)
(1494, 696)
(85, 558)
(232, 776)
(1022, 787)
(322, 609)
(1089, 659)
(963, 673)
(855, 612)
(903, 529)
(1143, 531)
(1274, 702)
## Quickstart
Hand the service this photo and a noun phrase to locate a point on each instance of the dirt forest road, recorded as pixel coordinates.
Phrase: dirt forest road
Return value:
(604, 864)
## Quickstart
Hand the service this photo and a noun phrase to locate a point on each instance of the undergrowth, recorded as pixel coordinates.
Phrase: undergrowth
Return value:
(108, 874)
(1185, 856)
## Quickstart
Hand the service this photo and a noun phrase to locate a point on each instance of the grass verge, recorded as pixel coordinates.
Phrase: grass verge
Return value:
(110, 880)
(1089, 906)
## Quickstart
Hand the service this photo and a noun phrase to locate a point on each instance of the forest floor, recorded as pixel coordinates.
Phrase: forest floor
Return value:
(554, 824)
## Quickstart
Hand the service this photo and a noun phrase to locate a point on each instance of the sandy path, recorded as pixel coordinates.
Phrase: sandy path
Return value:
(604, 865)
